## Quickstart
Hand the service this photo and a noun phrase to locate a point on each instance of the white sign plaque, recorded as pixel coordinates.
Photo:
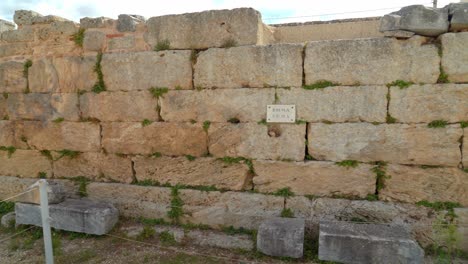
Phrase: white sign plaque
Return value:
(281, 113)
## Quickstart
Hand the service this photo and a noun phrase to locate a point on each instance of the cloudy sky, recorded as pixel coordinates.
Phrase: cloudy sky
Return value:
(273, 11)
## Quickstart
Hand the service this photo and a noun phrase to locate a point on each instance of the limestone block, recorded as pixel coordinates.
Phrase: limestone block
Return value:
(13, 185)
(465, 148)
(128, 23)
(257, 141)
(167, 138)
(24, 164)
(419, 19)
(42, 76)
(367, 243)
(126, 42)
(371, 61)
(143, 70)
(119, 106)
(19, 35)
(25, 17)
(55, 194)
(36, 106)
(337, 104)
(455, 56)
(95, 166)
(9, 134)
(247, 105)
(12, 79)
(396, 143)
(98, 22)
(82, 216)
(74, 73)
(426, 103)
(314, 178)
(281, 237)
(413, 184)
(77, 136)
(459, 16)
(462, 228)
(93, 40)
(6, 25)
(206, 29)
(3, 108)
(132, 200)
(277, 65)
(201, 171)
(398, 34)
(15, 49)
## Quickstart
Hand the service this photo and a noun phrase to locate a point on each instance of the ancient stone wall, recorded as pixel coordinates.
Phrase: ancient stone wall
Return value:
(182, 99)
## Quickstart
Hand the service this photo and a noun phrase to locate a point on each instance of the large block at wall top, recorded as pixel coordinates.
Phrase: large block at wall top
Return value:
(277, 65)
(173, 139)
(143, 70)
(455, 56)
(371, 61)
(77, 136)
(314, 178)
(119, 106)
(413, 184)
(395, 143)
(206, 29)
(12, 79)
(39, 106)
(426, 103)
(220, 105)
(337, 104)
(24, 163)
(198, 172)
(256, 141)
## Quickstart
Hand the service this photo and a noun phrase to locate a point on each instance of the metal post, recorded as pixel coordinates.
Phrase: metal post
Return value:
(45, 222)
(434, 3)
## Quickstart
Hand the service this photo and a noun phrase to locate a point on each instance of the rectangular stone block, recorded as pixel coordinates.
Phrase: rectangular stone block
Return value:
(132, 200)
(13, 49)
(75, 73)
(242, 26)
(281, 237)
(24, 163)
(3, 108)
(143, 70)
(119, 106)
(277, 65)
(413, 184)
(82, 216)
(77, 136)
(18, 35)
(252, 140)
(122, 43)
(8, 135)
(371, 61)
(455, 56)
(314, 178)
(367, 243)
(198, 172)
(172, 139)
(426, 103)
(42, 76)
(462, 229)
(36, 106)
(464, 150)
(95, 166)
(12, 79)
(338, 104)
(246, 105)
(13, 185)
(395, 143)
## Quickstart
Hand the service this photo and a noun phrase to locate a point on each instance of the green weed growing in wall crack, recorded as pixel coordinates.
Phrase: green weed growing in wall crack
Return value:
(158, 92)
(10, 150)
(78, 37)
(176, 205)
(99, 86)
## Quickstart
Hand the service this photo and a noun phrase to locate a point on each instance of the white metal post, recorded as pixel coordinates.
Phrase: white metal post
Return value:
(45, 222)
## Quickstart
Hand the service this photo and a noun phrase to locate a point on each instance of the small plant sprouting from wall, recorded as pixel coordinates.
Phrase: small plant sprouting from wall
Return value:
(67, 153)
(78, 37)
(320, 85)
(206, 125)
(390, 119)
(147, 233)
(58, 120)
(167, 239)
(437, 124)
(348, 163)
(229, 43)
(380, 175)
(164, 44)
(158, 92)
(233, 160)
(400, 83)
(10, 150)
(287, 213)
(190, 157)
(99, 86)
(146, 122)
(42, 175)
(443, 76)
(284, 192)
(82, 185)
(176, 205)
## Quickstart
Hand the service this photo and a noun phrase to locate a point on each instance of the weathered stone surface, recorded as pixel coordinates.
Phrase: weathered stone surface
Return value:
(19, 35)
(459, 16)
(126, 42)
(281, 237)
(337, 104)
(257, 141)
(25, 17)
(462, 228)
(398, 34)
(247, 105)
(371, 61)
(397, 143)
(3, 108)
(94, 40)
(220, 240)
(8, 219)
(74, 74)
(36, 106)
(42, 76)
(77, 136)
(9, 135)
(367, 243)
(426, 103)
(143, 70)
(201, 171)
(83, 216)
(206, 29)
(250, 66)
(24, 163)
(95, 166)
(132, 200)
(413, 184)
(55, 194)
(12, 79)
(119, 106)
(13, 185)
(6, 25)
(314, 178)
(98, 22)
(464, 150)
(419, 19)
(167, 138)
(128, 23)
(455, 56)
(12, 49)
